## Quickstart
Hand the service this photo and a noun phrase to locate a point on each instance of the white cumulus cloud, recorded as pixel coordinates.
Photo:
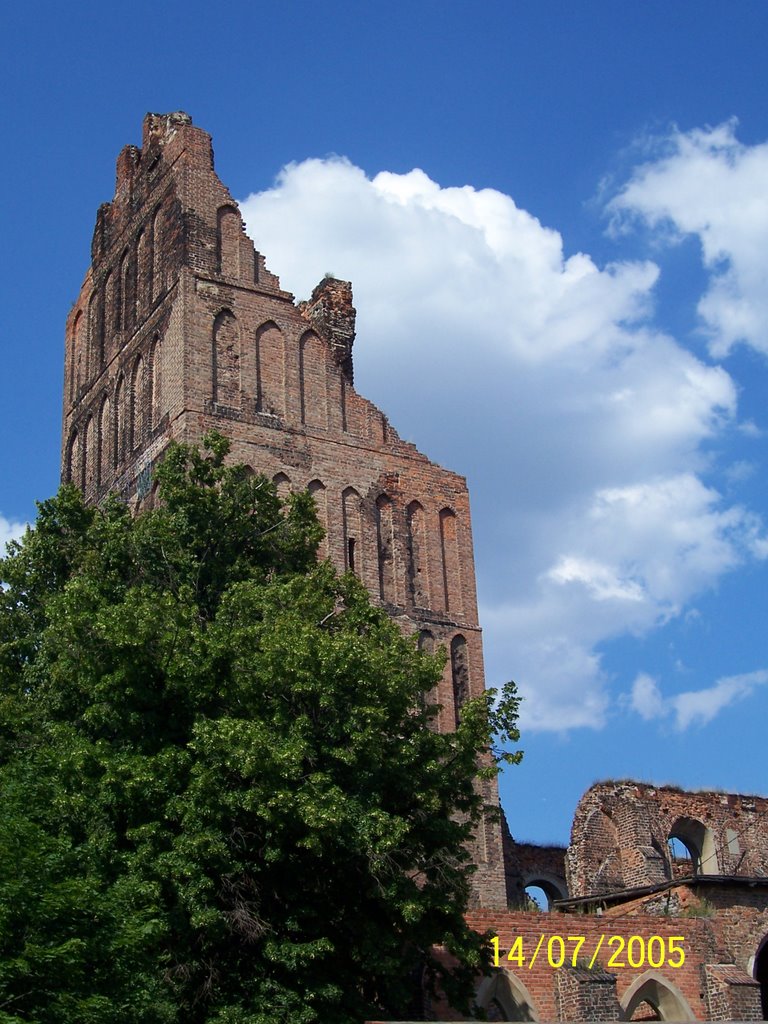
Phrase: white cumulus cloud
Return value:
(694, 707)
(542, 376)
(698, 707)
(708, 184)
(646, 698)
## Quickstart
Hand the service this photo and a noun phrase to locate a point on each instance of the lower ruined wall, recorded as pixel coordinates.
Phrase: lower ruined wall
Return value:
(620, 834)
(702, 988)
(615, 947)
(740, 921)
(735, 914)
(712, 984)
(691, 948)
(541, 980)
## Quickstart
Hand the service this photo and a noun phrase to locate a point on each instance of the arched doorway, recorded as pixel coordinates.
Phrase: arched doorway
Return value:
(542, 888)
(504, 997)
(692, 848)
(652, 997)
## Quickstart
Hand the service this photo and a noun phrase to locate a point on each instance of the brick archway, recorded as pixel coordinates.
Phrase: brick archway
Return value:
(653, 988)
(553, 887)
(504, 995)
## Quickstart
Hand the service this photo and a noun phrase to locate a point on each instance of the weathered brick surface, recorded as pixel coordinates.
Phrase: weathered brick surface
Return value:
(620, 836)
(542, 980)
(528, 864)
(179, 328)
(583, 994)
(731, 994)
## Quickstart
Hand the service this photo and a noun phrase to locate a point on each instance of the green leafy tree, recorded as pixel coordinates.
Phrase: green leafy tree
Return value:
(221, 800)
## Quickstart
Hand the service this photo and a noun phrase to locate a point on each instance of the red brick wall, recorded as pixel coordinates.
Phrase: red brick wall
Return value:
(716, 980)
(699, 944)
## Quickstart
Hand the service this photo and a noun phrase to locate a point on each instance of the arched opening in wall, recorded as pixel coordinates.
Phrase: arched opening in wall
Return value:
(418, 578)
(118, 434)
(449, 550)
(651, 993)
(282, 484)
(732, 842)
(543, 888)
(158, 271)
(459, 674)
(102, 474)
(760, 974)
(228, 241)
(317, 489)
(71, 472)
(155, 384)
(143, 272)
(692, 848)
(536, 899)
(226, 360)
(76, 356)
(93, 361)
(88, 456)
(136, 418)
(118, 320)
(385, 536)
(129, 291)
(149, 285)
(107, 315)
(504, 997)
(353, 531)
(681, 857)
(426, 642)
(645, 1011)
(270, 370)
(313, 381)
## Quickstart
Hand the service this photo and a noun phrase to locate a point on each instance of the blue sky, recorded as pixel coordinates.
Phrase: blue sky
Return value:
(555, 219)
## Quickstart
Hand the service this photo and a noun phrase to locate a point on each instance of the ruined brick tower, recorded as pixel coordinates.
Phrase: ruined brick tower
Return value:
(179, 328)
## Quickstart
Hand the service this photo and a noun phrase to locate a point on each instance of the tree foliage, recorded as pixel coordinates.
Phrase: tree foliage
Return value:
(221, 798)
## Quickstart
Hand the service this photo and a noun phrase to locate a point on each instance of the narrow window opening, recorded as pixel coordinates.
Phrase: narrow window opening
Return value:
(386, 545)
(353, 531)
(417, 550)
(459, 674)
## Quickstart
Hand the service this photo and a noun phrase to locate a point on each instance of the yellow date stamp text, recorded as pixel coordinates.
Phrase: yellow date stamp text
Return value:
(569, 950)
